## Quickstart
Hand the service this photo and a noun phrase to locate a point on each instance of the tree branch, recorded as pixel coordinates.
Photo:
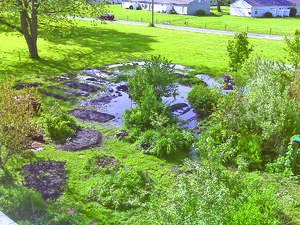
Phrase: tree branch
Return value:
(3, 21)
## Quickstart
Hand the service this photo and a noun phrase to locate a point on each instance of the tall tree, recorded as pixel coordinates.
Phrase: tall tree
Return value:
(219, 4)
(28, 16)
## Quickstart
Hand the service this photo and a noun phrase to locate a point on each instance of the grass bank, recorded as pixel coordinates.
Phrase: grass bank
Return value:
(93, 45)
(218, 21)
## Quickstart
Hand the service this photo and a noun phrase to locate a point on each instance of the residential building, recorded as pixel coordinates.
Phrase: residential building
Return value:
(258, 8)
(186, 7)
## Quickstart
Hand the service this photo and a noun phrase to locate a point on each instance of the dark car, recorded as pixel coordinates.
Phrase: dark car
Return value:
(107, 16)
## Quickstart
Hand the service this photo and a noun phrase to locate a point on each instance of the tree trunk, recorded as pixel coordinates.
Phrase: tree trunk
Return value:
(32, 47)
(29, 26)
(219, 6)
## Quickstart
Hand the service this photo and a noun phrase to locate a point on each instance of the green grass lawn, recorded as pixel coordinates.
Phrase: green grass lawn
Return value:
(219, 21)
(93, 45)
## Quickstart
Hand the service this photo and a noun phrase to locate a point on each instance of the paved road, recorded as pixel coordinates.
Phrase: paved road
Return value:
(194, 29)
(201, 30)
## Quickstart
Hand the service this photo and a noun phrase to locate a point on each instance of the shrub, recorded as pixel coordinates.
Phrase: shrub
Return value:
(288, 163)
(158, 74)
(16, 123)
(150, 113)
(203, 99)
(59, 125)
(293, 12)
(268, 15)
(239, 50)
(124, 189)
(173, 11)
(165, 141)
(205, 196)
(249, 130)
(21, 203)
(200, 13)
(293, 49)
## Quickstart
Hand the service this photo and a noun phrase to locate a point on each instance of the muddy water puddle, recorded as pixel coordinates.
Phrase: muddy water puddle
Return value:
(110, 98)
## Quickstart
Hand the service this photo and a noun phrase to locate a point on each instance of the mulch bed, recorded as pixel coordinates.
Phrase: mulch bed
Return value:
(47, 177)
(108, 161)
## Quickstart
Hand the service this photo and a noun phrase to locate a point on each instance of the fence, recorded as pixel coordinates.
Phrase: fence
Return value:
(190, 22)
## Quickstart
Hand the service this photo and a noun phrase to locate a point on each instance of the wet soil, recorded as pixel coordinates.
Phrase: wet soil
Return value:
(57, 96)
(108, 161)
(82, 86)
(22, 85)
(84, 139)
(92, 115)
(47, 177)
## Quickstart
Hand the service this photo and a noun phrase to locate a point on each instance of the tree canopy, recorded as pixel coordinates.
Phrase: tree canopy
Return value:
(29, 16)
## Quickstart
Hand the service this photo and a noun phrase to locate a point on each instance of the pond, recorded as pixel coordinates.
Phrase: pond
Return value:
(99, 96)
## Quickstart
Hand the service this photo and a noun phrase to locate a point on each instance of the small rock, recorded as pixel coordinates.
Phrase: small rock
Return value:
(122, 134)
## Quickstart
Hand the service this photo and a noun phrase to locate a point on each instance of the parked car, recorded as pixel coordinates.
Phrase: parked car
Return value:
(107, 16)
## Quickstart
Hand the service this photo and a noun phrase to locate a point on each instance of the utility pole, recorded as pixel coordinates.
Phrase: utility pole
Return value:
(152, 23)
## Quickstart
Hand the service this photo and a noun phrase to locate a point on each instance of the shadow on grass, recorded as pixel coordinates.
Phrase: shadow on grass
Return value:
(83, 47)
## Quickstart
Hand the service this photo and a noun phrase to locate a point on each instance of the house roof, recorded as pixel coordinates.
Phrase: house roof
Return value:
(175, 2)
(271, 2)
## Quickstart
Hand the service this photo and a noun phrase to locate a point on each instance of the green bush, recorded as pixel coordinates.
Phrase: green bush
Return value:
(238, 50)
(293, 49)
(165, 141)
(158, 74)
(249, 130)
(200, 13)
(207, 196)
(288, 163)
(124, 189)
(268, 15)
(17, 126)
(203, 99)
(149, 113)
(58, 124)
(21, 203)
(293, 12)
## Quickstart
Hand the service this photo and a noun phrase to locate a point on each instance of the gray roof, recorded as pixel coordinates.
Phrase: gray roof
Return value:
(175, 2)
(271, 2)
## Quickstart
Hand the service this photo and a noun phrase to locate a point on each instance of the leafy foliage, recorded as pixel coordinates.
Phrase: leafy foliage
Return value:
(293, 49)
(268, 15)
(157, 74)
(249, 129)
(21, 203)
(150, 83)
(17, 110)
(239, 50)
(58, 124)
(165, 141)
(208, 196)
(288, 163)
(26, 16)
(122, 189)
(203, 99)
(149, 113)
(293, 12)
(200, 13)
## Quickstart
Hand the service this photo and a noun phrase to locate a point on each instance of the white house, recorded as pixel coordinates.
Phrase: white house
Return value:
(258, 8)
(187, 7)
